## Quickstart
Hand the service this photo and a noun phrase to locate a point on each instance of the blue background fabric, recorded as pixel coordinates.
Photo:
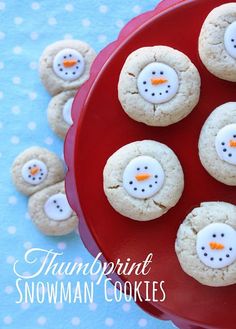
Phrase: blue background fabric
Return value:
(26, 28)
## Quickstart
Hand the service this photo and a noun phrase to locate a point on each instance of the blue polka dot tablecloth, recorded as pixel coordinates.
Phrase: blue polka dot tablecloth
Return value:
(26, 28)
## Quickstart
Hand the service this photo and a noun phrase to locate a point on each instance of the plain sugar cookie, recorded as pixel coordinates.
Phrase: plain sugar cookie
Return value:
(35, 169)
(50, 211)
(217, 144)
(65, 65)
(206, 244)
(217, 42)
(143, 180)
(59, 112)
(158, 86)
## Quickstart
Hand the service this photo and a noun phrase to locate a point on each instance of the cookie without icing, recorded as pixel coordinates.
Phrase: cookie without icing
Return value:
(51, 212)
(206, 244)
(217, 42)
(65, 65)
(59, 112)
(143, 180)
(158, 86)
(36, 168)
(217, 144)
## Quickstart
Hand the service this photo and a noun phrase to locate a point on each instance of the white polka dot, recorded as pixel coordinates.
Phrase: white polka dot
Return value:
(34, 35)
(110, 292)
(17, 50)
(59, 306)
(15, 140)
(52, 21)
(48, 141)
(27, 216)
(102, 38)
(75, 321)
(126, 307)
(31, 125)
(2, 5)
(8, 290)
(7, 319)
(2, 35)
(61, 245)
(33, 65)
(11, 229)
(94, 277)
(120, 23)
(78, 260)
(35, 5)
(25, 306)
(109, 322)
(28, 245)
(18, 20)
(15, 109)
(86, 22)
(41, 320)
(1, 95)
(10, 259)
(12, 200)
(69, 7)
(103, 9)
(142, 323)
(68, 36)
(0, 154)
(16, 80)
(1, 125)
(93, 306)
(137, 9)
(1, 65)
(60, 276)
(32, 95)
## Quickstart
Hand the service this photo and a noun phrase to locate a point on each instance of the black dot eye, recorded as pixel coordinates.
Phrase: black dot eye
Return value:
(61, 210)
(212, 258)
(138, 168)
(143, 190)
(224, 150)
(78, 61)
(144, 82)
(168, 86)
(155, 182)
(153, 72)
(150, 186)
(135, 189)
(220, 259)
(153, 94)
(29, 168)
(160, 94)
(70, 55)
(203, 248)
(54, 201)
(161, 73)
(130, 182)
(29, 176)
(223, 143)
(156, 176)
(222, 235)
(230, 155)
(146, 90)
(214, 235)
(58, 64)
(146, 167)
(58, 206)
(167, 91)
(234, 136)
(61, 70)
(232, 40)
(65, 57)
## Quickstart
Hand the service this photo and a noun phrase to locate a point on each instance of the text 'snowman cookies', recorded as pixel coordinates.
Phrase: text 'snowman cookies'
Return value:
(143, 180)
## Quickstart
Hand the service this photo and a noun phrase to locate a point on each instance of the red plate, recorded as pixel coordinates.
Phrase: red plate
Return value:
(101, 127)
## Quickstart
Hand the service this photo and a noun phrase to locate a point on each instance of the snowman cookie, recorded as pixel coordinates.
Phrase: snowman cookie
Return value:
(158, 86)
(59, 112)
(36, 168)
(217, 42)
(143, 180)
(217, 144)
(206, 244)
(65, 65)
(51, 212)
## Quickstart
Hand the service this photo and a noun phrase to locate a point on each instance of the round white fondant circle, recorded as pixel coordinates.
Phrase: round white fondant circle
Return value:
(223, 140)
(67, 111)
(230, 39)
(57, 207)
(37, 178)
(143, 189)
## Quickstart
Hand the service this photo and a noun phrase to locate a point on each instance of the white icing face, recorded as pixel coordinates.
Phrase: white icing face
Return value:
(225, 143)
(67, 111)
(143, 177)
(158, 83)
(216, 245)
(68, 64)
(230, 40)
(57, 207)
(34, 172)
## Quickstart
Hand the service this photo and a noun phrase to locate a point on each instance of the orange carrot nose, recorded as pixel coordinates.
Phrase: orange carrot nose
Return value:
(158, 81)
(142, 177)
(232, 143)
(34, 170)
(216, 246)
(69, 62)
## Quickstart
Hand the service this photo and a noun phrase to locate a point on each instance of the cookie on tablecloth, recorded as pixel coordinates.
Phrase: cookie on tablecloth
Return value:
(158, 86)
(59, 112)
(206, 244)
(217, 42)
(51, 212)
(65, 65)
(35, 169)
(217, 144)
(143, 180)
